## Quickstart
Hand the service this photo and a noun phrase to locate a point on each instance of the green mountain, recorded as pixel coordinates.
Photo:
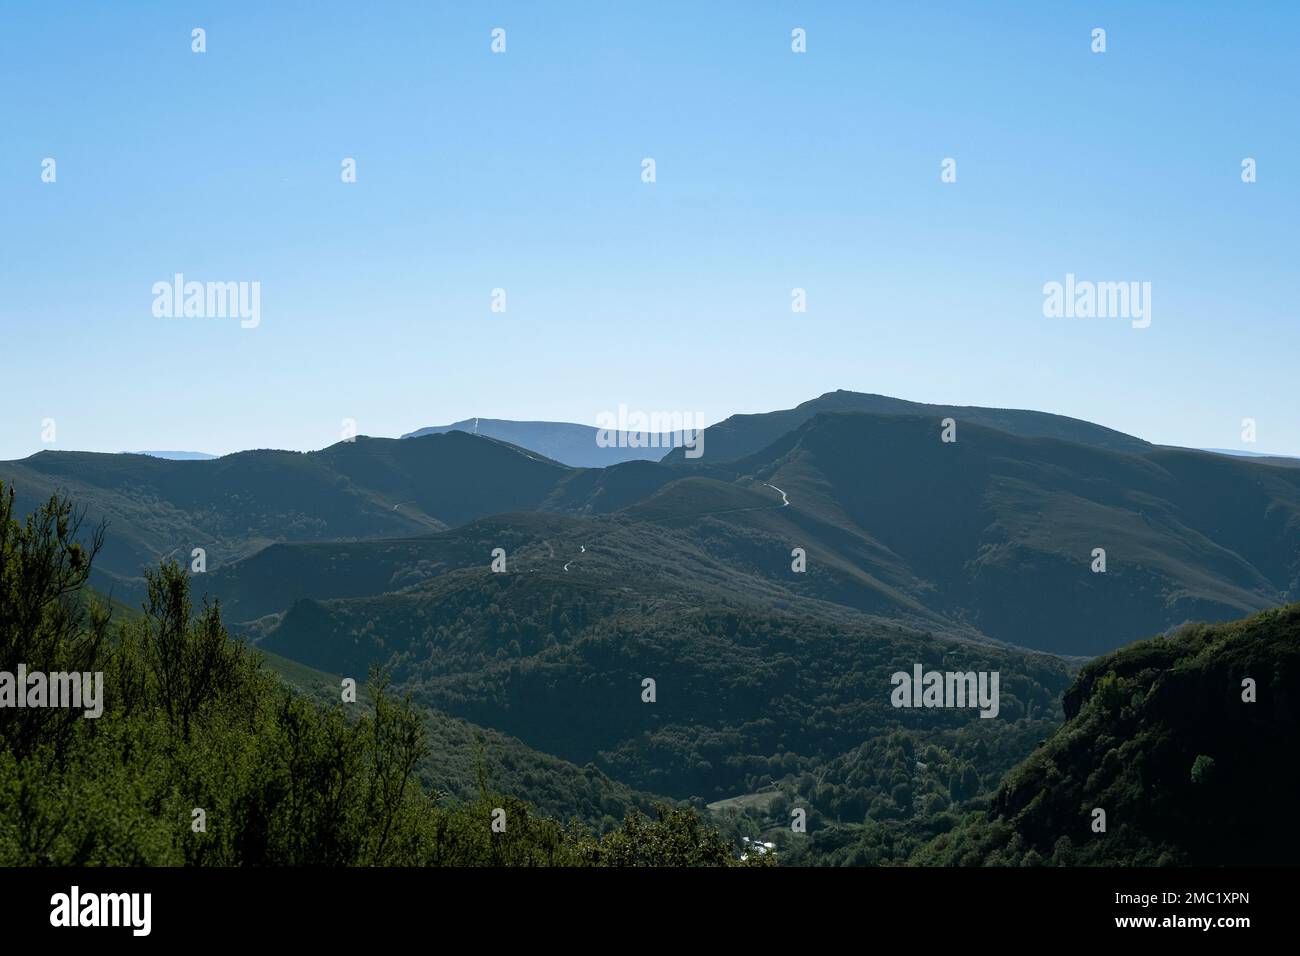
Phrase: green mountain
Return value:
(998, 531)
(557, 658)
(238, 504)
(461, 757)
(990, 538)
(1159, 736)
(742, 435)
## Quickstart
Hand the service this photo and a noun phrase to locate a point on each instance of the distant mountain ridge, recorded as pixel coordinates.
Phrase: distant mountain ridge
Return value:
(175, 455)
(565, 442)
(1284, 461)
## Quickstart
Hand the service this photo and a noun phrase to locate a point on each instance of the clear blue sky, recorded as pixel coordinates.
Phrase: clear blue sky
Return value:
(522, 171)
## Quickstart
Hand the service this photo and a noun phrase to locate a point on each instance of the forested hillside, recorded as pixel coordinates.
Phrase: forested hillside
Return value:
(1183, 742)
(200, 756)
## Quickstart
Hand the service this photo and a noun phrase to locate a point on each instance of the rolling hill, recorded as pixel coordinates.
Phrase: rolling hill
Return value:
(558, 661)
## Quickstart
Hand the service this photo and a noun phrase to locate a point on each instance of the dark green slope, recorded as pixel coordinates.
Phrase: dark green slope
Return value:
(452, 477)
(608, 567)
(676, 547)
(1158, 736)
(278, 576)
(744, 524)
(273, 578)
(461, 754)
(229, 506)
(598, 491)
(742, 435)
(557, 659)
(879, 802)
(998, 531)
(460, 751)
